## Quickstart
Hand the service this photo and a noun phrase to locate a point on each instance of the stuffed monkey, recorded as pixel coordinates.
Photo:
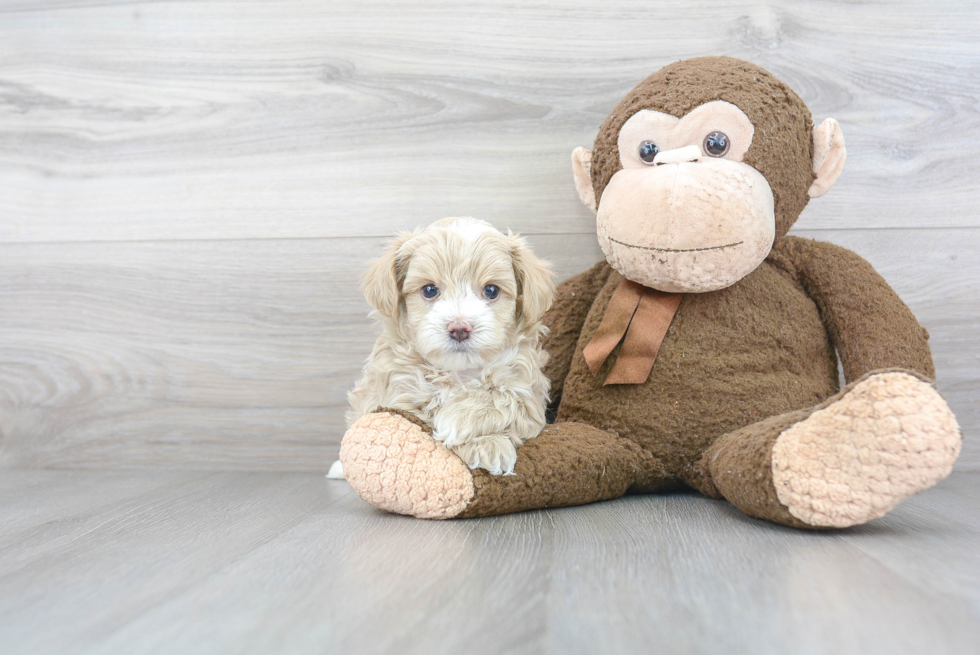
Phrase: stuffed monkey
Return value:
(703, 351)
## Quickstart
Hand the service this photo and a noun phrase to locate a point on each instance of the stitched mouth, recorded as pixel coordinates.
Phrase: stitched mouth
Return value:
(629, 245)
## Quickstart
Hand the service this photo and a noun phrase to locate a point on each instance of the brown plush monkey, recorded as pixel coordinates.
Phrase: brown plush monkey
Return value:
(702, 351)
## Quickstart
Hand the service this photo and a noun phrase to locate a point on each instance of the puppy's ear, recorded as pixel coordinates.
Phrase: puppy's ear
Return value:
(382, 283)
(535, 281)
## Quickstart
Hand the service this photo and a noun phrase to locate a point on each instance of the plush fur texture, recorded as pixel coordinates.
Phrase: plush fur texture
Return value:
(483, 395)
(743, 401)
(716, 370)
(640, 220)
(444, 485)
(687, 221)
(855, 459)
(782, 144)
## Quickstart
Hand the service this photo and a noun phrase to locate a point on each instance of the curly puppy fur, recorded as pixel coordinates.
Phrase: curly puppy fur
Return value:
(483, 394)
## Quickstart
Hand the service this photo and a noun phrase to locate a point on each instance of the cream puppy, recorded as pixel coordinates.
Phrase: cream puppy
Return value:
(460, 304)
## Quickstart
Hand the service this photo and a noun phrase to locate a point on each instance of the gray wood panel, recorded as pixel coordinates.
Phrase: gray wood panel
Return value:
(157, 561)
(188, 190)
(231, 354)
(239, 354)
(215, 120)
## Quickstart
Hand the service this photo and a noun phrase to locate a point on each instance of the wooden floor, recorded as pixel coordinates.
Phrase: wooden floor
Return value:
(255, 562)
(189, 192)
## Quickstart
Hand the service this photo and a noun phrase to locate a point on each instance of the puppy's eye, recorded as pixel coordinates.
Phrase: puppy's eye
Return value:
(648, 152)
(716, 144)
(430, 291)
(491, 291)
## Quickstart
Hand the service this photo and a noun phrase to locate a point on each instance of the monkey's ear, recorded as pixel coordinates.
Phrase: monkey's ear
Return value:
(535, 281)
(829, 154)
(582, 170)
(382, 282)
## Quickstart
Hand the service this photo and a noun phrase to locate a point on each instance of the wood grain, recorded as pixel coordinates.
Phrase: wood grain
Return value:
(189, 190)
(239, 354)
(218, 120)
(188, 193)
(234, 354)
(143, 562)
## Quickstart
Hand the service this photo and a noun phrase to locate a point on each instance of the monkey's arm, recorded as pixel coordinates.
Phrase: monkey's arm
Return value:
(867, 322)
(573, 300)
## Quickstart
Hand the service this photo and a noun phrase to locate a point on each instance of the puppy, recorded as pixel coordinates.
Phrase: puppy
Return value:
(460, 305)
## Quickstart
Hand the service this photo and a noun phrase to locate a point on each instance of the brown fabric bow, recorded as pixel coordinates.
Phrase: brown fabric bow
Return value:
(643, 315)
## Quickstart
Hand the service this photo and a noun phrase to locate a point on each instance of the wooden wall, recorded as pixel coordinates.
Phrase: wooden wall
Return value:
(189, 190)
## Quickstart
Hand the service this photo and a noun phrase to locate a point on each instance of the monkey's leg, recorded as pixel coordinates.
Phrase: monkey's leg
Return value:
(847, 461)
(393, 463)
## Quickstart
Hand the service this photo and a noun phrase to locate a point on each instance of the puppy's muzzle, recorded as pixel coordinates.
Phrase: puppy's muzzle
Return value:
(460, 330)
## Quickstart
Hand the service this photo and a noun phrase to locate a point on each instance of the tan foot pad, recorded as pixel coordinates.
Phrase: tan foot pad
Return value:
(396, 466)
(889, 437)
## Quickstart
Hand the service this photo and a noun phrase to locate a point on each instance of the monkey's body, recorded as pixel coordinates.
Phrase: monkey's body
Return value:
(743, 400)
(716, 370)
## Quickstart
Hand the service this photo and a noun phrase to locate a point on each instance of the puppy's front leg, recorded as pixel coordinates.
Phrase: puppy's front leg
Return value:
(493, 452)
(471, 425)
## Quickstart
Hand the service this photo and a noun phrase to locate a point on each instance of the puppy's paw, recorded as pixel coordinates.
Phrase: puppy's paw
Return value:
(455, 423)
(494, 452)
(468, 416)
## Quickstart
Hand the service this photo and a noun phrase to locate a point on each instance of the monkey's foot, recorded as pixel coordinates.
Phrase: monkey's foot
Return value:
(887, 438)
(393, 463)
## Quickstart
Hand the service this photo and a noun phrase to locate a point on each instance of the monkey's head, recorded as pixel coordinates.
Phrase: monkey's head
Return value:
(699, 169)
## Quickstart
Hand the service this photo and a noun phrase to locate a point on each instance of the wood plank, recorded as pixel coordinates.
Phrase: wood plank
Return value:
(239, 354)
(703, 578)
(209, 355)
(290, 562)
(217, 120)
(360, 581)
(933, 515)
(134, 548)
(38, 500)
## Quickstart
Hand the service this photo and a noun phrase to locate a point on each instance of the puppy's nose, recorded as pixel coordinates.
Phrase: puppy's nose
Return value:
(460, 330)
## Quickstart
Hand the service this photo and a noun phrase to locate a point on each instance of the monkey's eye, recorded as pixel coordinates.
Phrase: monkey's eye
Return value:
(648, 150)
(716, 144)
(430, 291)
(491, 291)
